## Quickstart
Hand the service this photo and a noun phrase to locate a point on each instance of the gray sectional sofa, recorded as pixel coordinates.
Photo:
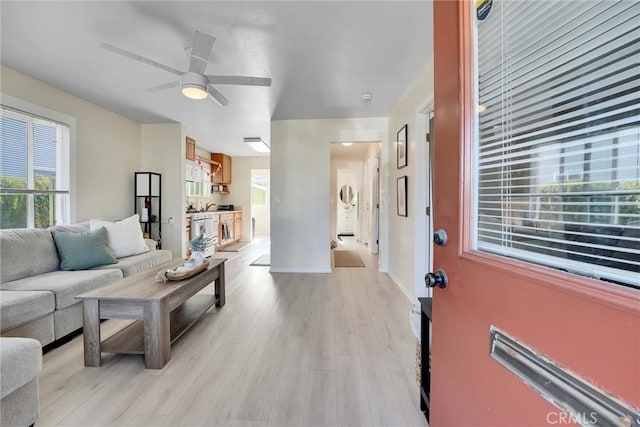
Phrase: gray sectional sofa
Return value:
(20, 365)
(37, 299)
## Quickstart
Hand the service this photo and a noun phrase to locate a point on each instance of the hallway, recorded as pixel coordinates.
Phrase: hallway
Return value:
(287, 349)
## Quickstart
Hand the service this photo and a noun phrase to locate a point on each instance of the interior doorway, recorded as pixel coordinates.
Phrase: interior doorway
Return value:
(355, 192)
(260, 203)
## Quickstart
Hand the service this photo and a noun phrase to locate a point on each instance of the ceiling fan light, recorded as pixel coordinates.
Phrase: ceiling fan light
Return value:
(194, 92)
(194, 85)
(257, 144)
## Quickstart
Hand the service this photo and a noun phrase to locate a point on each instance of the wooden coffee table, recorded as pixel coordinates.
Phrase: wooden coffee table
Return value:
(164, 311)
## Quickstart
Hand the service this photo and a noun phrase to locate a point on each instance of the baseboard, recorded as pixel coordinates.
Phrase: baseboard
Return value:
(299, 270)
(398, 283)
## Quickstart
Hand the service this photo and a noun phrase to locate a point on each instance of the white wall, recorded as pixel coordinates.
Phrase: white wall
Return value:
(163, 151)
(404, 265)
(240, 188)
(300, 187)
(107, 147)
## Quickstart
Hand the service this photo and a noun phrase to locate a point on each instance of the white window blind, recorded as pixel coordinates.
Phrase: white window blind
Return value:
(557, 152)
(34, 171)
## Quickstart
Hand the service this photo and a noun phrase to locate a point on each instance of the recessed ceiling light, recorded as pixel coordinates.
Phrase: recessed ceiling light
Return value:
(366, 97)
(482, 109)
(257, 144)
(346, 144)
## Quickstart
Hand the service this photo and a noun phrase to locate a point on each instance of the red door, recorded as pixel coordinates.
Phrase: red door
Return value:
(589, 327)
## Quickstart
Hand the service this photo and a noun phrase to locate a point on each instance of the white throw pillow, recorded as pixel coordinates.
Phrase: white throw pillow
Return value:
(125, 237)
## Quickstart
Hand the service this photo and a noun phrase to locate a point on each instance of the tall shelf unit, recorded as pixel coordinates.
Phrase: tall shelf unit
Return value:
(147, 204)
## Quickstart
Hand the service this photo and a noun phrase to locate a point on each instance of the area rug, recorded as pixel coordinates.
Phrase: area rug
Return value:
(264, 260)
(343, 258)
(236, 247)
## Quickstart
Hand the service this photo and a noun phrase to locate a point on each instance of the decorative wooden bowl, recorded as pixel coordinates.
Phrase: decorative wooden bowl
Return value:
(173, 275)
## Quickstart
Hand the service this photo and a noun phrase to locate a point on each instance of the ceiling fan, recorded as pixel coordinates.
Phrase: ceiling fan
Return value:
(194, 83)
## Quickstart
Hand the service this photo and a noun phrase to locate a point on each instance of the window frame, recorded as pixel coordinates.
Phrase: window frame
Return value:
(38, 112)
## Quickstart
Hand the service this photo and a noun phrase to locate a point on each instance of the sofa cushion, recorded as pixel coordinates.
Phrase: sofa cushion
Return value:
(26, 252)
(139, 263)
(81, 251)
(125, 237)
(20, 362)
(20, 307)
(81, 227)
(65, 284)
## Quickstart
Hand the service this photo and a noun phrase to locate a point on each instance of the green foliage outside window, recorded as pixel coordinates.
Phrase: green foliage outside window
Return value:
(13, 208)
(258, 196)
(598, 206)
(627, 211)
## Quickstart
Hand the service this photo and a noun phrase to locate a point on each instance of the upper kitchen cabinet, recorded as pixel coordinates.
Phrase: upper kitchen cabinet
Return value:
(223, 175)
(191, 149)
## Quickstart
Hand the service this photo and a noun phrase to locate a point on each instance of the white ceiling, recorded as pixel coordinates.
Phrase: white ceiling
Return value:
(321, 56)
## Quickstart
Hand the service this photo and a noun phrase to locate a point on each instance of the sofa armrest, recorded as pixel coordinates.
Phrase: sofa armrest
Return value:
(151, 244)
(20, 362)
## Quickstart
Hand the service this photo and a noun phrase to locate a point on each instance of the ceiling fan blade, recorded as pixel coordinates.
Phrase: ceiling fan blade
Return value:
(218, 97)
(137, 57)
(200, 52)
(240, 80)
(163, 86)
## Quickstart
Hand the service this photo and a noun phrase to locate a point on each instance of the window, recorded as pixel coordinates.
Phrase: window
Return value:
(557, 131)
(259, 192)
(34, 171)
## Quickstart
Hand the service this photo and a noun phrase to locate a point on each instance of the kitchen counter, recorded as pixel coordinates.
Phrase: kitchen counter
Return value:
(188, 215)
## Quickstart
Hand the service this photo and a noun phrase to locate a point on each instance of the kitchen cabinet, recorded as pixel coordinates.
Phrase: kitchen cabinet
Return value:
(190, 149)
(196, 182)
(226, 229)
(229, 228)
(223, 174)
(346, 221)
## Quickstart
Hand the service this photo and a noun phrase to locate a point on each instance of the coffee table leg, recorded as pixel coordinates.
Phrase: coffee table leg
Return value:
(219, 287)
(91, 332)
(157, 335)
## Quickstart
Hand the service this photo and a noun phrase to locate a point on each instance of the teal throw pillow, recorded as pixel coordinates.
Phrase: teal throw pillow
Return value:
(80, 251)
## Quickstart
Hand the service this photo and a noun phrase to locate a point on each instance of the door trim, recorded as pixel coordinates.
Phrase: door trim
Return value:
(422, 225)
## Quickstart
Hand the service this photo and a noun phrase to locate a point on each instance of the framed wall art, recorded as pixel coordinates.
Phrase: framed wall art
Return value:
(401, 142)
(402, 196)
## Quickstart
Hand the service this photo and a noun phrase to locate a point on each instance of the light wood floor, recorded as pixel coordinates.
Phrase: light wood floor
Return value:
(287, 349)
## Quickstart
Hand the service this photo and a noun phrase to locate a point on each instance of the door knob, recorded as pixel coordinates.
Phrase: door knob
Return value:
(440, 237)
(439, 278)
